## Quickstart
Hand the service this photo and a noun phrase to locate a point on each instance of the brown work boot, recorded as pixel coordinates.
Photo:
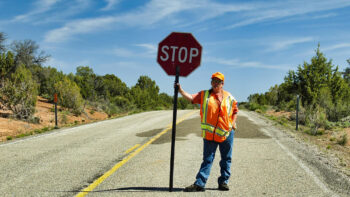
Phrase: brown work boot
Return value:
(223, 187)
(194, 188)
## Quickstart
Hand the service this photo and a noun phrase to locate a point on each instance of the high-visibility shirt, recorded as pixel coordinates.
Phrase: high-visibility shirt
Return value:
(216, 115)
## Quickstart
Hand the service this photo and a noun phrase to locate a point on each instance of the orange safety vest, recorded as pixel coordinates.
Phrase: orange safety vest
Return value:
(217, 120)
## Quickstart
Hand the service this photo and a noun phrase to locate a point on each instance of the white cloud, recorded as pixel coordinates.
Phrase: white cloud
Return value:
(284, 44)
(151, 49)
(144, 50)
(274, 10)
(79, 27)
(41, 6)
(337, 46)
(127, 64)
(325, 16)
(49, 11)
(60, 65)
(177, 14)
(121, 52)
(110, 4)
(235, 63)
(146, 16)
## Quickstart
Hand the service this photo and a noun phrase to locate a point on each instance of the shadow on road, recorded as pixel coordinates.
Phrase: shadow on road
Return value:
(141, 189)
(136, 189)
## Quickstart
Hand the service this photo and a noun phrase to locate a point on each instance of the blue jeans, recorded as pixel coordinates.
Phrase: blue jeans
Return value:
(209, 149)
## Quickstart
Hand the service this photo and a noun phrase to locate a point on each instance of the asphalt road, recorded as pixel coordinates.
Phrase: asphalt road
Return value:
(129, 157)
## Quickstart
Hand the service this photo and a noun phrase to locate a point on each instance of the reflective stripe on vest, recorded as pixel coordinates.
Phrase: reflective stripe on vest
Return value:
(229, 107)
(205, 106)
(210, 128)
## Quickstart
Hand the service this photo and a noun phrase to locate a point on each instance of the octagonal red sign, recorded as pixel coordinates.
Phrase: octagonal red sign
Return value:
(179, 49)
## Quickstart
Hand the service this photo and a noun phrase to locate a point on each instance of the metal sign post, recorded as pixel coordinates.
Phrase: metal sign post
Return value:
(55, 101)
(173, 134)
(179, 54)
(297, 114)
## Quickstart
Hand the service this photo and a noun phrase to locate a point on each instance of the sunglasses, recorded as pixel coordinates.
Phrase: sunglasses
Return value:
(217, 81)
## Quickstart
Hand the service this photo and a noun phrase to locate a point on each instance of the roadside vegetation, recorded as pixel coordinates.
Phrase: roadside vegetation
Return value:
(23, 78)
(324, 109)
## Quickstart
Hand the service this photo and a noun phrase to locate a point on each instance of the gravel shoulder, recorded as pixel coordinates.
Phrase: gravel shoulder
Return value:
(322, 164)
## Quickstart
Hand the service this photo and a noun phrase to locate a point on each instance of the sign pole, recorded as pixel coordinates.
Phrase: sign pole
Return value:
(179, 51)
(297, 114)
(55, 101)
(56, 126)
(173, 135)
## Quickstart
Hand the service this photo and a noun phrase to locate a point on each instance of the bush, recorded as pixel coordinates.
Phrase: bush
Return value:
(315, 118)
(35, 120)
(122, 103)
(343, 140)
(312, 131)
(19, 93)
(69, 95)
(243, 105)
(301, 117)
(64, 119)
(255, 107)
(346, 119)
(111, 109)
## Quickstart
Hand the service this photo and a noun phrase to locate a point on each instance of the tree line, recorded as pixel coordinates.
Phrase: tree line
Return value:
(23, 77)
(324, 92)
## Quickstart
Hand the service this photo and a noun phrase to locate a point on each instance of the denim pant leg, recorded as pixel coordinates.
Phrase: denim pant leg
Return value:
(226, 156)
(209, 149)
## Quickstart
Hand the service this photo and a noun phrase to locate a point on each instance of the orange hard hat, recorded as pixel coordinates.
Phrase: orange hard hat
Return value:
(218, 75)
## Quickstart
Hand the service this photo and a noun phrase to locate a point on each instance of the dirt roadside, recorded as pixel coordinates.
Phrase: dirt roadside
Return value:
(44, 111)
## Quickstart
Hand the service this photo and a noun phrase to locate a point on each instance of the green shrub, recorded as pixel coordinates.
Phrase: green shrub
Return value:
(35, 120)
(24, 135)
(346, 124)
(19, 93)
(258, 111)
(69, 95)
(315, 119)
(343, 140)
(329, 125)
(37, 131)
(312, 131)
(45, 129)
(9, 138)
(111, 109)
(255, 106)
(301, 117)
(64, 119)
(243, 105)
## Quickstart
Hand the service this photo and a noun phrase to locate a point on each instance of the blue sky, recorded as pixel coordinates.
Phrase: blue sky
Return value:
(254, 43)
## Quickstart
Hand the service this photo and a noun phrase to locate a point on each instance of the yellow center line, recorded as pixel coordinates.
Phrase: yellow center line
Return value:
(132, 148)
(98, 181)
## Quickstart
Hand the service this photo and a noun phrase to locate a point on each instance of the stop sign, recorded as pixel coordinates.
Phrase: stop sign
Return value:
(179, 49)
